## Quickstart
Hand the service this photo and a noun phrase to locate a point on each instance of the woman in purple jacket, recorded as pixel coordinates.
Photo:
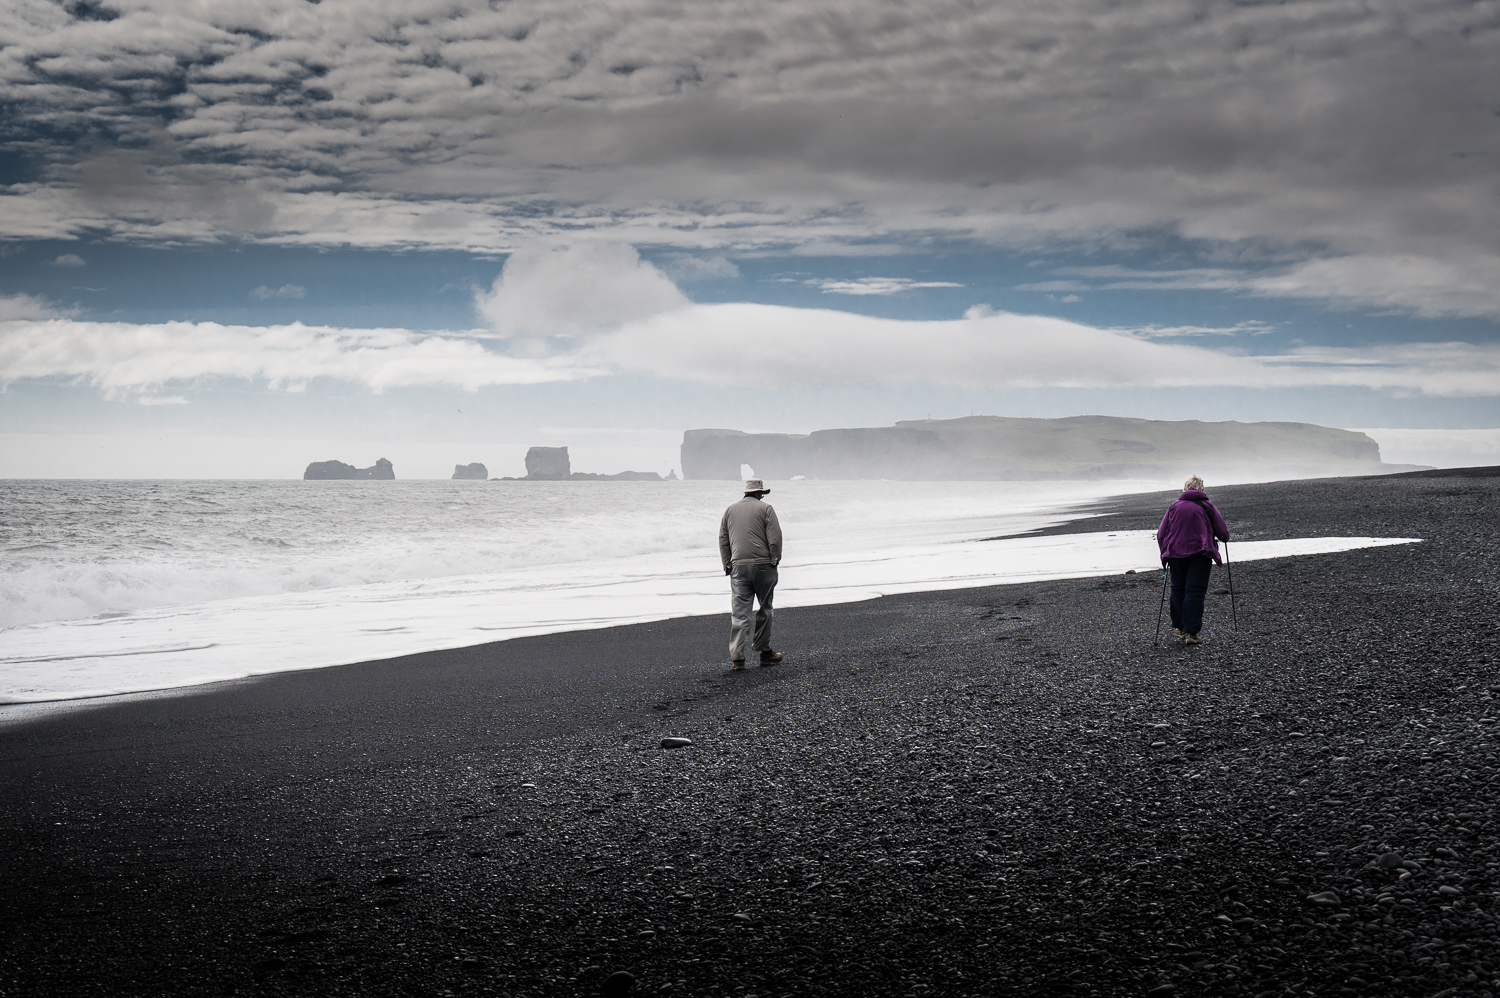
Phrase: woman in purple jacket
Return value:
(1186, 538)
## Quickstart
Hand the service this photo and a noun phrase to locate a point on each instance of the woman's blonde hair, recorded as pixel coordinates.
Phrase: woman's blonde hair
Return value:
(1193, 482)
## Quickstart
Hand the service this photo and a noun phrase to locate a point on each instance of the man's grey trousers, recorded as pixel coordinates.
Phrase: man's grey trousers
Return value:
(747, 584)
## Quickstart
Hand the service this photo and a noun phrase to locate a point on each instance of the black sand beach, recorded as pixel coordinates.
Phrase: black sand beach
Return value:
(987, 791)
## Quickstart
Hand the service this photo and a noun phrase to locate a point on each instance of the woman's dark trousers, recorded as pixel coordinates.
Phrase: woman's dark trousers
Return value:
(1189, 586)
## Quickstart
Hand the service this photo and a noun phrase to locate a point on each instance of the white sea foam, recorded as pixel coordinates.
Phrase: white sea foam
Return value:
(81, 549)
(121, 587)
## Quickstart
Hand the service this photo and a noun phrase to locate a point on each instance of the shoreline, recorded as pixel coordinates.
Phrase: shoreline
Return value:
(1003, 790)
(162, 649)
(1109, 553)
(474, 605)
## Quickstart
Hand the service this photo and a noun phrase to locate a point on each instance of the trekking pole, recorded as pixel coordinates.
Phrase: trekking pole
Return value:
(1165, 575)
(1233, 616)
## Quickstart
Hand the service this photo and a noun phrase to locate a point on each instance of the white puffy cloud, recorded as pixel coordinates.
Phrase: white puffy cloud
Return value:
(1427, 286)
(575, 289)
(1451, 369)
(285, 291)
(772, 346)
(750, 346)
(570, 310)
(1253, 327)
(1328, 133)
(735, 346)
(23, 306)
(121, 357)
(1054, 286)
(69, 260)
(875, 285)
(1421, 285)
(689, 268)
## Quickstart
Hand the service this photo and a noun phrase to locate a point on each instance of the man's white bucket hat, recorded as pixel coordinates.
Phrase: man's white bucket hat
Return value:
(755, 485)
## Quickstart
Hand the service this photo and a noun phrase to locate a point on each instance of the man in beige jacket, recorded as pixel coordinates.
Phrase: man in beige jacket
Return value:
(750, 548)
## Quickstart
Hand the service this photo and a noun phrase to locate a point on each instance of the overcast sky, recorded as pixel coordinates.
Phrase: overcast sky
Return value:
(236, 237)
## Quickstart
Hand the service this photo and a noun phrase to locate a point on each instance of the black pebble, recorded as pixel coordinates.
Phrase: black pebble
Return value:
(621, 982)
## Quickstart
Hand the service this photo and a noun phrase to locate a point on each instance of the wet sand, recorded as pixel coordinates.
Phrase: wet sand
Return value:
(989, 791)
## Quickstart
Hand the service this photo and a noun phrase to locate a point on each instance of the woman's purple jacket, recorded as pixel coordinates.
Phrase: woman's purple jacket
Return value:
(1190, 526)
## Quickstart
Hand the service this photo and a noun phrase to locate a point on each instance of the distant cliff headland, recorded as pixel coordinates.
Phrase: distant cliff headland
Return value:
(1011, 449)
(327, 470)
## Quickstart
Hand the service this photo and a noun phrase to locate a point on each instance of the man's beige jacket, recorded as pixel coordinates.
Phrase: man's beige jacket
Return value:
(749, 534)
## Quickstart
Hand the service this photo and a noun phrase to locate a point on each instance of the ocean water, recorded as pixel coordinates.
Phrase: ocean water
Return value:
(121, 586)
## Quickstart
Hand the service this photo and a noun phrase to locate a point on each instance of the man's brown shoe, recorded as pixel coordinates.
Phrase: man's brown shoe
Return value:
(770, 657)
(736, 664)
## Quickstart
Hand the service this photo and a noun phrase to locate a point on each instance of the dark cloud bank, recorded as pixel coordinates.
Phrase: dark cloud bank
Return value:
(1351, 145)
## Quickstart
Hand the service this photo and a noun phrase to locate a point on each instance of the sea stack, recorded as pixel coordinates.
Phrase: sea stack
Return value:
(547, 464)
(382, 470)
(471, 471)
(551, 464)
